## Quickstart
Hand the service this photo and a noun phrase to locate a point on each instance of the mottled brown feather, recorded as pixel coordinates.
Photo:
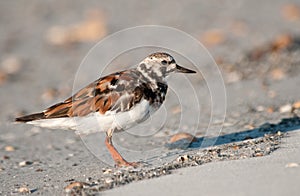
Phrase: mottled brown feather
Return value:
(99, 96)
(117, 92)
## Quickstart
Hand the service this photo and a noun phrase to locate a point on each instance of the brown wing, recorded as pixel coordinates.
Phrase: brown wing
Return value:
(115, 92)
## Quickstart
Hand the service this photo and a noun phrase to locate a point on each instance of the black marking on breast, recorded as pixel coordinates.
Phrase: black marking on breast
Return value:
(156, 95)
(162, 87)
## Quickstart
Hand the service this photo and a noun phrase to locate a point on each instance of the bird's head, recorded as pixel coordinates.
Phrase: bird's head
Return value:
(161, 64)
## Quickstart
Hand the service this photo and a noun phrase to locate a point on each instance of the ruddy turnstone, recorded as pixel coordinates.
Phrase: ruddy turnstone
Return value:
(114, 102)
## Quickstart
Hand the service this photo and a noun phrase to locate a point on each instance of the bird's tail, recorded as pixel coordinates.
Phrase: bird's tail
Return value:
(30, 117)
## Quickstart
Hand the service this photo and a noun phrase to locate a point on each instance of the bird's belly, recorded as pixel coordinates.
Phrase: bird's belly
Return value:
(96, 122)
(118, 121)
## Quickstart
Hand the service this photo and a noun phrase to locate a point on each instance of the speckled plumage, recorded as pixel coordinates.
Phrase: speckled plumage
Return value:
(112, 103)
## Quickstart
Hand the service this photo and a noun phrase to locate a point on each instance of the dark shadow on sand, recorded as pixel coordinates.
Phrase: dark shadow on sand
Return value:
(285, 125)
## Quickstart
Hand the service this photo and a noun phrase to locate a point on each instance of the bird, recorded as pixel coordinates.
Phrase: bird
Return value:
(113, 103)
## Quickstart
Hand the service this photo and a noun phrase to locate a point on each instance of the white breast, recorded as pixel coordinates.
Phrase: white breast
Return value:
(96, 122)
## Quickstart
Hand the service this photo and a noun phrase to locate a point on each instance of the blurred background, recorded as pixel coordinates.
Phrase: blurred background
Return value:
(256, 45)
(52, 38)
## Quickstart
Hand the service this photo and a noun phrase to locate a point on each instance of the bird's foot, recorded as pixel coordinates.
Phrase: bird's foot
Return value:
(124, 163)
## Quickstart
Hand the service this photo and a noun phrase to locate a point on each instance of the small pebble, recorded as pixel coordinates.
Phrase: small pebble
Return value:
(281, 42)
(236, 147)
(285, 108)
(260, 108)
(213, 37)
(1, 168)
(25, 163)
(249, 126)
(259, 154)
(183, 158)
(107, 171)
(39, 170)
(277, 74)
(270, 110)
(9, 148)
(296, 105)
(5, 157)
(75, 185)
(290, 165)
(24, 190)
(108, 180)
(11, 65)
(291, 12)
(181, 141)
(183, 135)
(3, 77)
(233, 76)
(69, 180)
(227, 124)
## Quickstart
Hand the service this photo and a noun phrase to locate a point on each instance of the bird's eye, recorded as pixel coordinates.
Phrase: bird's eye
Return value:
(164, 62)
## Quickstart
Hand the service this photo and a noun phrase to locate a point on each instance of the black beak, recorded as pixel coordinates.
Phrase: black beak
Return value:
(180, 69)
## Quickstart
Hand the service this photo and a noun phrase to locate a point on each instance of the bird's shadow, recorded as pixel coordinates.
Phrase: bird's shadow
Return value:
(285, 125)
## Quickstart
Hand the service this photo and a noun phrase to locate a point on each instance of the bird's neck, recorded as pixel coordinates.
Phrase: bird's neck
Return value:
(152, 79)
(151, 75)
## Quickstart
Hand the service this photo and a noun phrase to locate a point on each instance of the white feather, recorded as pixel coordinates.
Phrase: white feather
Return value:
(96, 122)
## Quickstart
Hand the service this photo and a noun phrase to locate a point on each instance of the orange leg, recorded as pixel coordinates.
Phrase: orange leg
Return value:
(119, 160)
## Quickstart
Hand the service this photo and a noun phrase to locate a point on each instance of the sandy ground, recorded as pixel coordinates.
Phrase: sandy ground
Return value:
(270, 175)
(256, 45)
